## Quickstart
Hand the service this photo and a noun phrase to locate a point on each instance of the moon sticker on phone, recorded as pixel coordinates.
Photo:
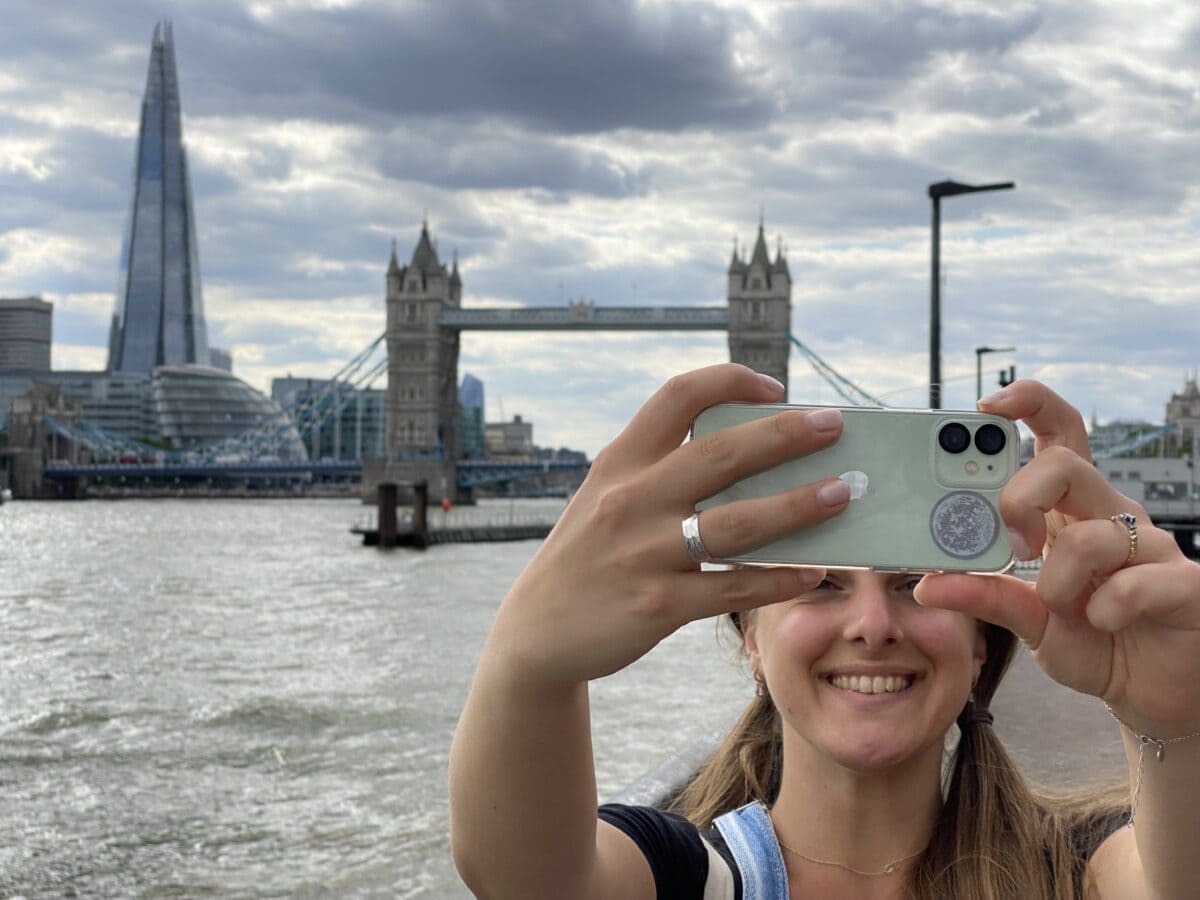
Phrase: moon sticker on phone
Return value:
(964, 524)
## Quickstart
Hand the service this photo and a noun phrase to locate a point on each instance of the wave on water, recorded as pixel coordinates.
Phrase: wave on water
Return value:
(62, 720)
(291, 717)
(271, 714)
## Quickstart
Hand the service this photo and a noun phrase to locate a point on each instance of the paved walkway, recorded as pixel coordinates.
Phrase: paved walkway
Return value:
(1059, 737)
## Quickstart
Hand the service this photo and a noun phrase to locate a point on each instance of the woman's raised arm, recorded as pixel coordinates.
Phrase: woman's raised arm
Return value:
(1115, 613)
(611, 581)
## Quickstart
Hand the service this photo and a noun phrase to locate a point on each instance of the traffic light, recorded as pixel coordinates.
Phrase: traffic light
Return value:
(1008, 377)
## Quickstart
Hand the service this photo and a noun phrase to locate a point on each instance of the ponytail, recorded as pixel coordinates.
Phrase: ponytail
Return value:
(744, 768)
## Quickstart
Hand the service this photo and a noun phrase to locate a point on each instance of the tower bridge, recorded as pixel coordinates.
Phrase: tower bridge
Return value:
(583, 316)
(425, 321)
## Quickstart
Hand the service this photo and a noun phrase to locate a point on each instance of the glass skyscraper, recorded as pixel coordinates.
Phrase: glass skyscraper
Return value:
(160, 316)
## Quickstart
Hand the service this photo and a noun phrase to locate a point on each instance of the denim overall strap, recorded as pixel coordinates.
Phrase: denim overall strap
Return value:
(751, 839)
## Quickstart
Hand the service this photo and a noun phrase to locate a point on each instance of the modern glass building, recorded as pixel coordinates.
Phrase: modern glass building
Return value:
(199, 405)
(471, 442)
(159, 318)
(354, 426)
(189, 406)
(115, 401)
(163, 382)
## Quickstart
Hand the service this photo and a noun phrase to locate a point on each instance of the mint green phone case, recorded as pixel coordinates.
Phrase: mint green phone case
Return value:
(924, 509)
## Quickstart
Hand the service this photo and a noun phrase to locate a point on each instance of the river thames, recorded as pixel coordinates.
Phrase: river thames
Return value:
(234, 698)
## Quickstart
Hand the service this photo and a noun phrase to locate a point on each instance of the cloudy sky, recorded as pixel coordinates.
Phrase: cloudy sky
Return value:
(613, 150)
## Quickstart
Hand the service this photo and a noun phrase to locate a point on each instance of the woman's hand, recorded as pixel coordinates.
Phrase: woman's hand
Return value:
(1126, 630)
(613, 578)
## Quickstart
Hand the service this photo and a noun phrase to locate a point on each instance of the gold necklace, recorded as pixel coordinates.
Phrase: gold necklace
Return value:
(886, 870)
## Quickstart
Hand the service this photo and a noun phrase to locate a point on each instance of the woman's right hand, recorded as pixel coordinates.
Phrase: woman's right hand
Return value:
(613, 578)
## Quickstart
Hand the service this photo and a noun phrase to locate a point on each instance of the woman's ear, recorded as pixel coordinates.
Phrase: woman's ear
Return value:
(749, 623)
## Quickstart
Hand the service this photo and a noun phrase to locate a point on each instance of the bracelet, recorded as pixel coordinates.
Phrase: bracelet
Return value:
(1160, 753)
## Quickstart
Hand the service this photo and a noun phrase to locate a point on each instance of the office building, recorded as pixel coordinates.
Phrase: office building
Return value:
(510, 440)
(26, 327)
(352, 421)
(198, 405)
(159, 319)
(471, 443)
(220, 359)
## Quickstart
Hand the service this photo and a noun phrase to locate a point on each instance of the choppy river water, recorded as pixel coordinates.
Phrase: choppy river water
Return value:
(234, 698)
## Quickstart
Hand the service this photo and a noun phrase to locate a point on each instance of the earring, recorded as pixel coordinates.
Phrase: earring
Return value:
(760, 685)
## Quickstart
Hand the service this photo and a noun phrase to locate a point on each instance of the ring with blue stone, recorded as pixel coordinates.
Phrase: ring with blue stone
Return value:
(1129, 522)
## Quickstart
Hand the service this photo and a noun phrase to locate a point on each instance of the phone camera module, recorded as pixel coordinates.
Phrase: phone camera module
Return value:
(954, 438)
(990, 439)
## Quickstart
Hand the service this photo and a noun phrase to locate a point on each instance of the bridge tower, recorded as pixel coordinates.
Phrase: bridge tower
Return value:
(422, 392)
(760, 310)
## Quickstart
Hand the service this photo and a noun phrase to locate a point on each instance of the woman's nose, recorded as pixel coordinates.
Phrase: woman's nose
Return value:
(871, 617)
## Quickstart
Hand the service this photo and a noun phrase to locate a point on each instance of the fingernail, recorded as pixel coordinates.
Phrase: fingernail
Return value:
(917, 591)
(807, 579)
(825, 420)
(833, 493)
(990, 399)
(771, 384)
(1020, 549)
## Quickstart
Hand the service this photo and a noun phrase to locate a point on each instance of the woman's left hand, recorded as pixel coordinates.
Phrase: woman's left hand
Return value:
(1126, 630)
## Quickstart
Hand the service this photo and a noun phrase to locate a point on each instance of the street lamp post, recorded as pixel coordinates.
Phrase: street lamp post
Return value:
(979, 351)
(937, 191)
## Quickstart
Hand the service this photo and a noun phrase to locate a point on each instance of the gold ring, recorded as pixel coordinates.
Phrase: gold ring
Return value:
(1129, 522)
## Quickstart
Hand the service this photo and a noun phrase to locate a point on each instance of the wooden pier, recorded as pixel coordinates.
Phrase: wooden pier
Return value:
(417, 531)
(457, 535)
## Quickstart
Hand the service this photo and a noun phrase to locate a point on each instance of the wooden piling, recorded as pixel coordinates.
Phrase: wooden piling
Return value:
(420, 518)
(386, 502)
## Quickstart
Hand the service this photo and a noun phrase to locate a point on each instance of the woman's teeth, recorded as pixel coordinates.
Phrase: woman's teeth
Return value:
(872, 684)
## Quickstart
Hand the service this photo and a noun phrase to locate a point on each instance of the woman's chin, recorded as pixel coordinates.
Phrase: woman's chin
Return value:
(867, 754)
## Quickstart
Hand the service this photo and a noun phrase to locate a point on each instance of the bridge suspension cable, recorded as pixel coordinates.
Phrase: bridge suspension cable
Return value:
(845, 388)
(305, 413)
(1132, 444)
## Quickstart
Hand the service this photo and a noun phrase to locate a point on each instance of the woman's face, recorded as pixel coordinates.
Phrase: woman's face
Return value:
(861, 672)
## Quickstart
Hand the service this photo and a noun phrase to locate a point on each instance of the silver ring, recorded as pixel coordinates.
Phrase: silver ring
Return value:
(1129, 522)
(692, 542)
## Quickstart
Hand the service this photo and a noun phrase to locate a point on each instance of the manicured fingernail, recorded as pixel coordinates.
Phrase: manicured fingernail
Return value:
(1020, 549)
(833, 493)
(825, 420)
(990, 399)
(917, 591)
(807, 579)
(773, 385)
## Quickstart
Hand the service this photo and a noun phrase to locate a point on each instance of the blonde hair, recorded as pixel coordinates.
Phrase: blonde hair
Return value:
(995, 838)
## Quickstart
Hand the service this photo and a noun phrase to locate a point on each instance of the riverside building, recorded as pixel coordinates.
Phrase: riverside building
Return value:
(163, 381)
(25, 334)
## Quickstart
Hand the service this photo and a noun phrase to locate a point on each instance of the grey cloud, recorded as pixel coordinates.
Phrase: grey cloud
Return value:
(578, 67)
(992, 88)
(1051, 115)
(893, 39)
(584, 66)
(491, 156)
(850, 61)
(1061, 174)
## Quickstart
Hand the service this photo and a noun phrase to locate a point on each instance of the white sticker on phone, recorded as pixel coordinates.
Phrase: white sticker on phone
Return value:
(858, 481)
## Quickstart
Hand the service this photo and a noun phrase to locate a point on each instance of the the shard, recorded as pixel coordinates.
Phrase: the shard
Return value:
(159, 317)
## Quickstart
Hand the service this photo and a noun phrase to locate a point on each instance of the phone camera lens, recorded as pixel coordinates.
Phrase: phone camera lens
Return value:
(954, 437)
(990, 439)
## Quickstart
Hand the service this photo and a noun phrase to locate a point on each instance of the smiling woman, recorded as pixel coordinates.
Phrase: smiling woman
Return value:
(866, 766)
(865, 713)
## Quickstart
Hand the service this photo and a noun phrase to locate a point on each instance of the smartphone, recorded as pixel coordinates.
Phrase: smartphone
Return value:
(926, 487)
